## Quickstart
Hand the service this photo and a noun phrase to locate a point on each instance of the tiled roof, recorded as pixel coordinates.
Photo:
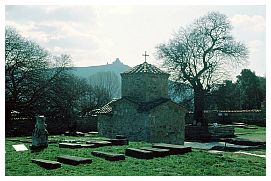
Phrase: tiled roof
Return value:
(106, 109)
(145, 68)
(142, 107)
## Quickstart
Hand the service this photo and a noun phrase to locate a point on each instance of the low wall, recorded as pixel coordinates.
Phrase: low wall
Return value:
(86, 124)
(23, 126)
(254, 117)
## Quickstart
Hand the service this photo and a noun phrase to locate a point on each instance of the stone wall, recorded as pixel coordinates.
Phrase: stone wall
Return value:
(153, 87)
(255, 117)
(153, 126)
(165, 128)
(86, 124)
(125, 120)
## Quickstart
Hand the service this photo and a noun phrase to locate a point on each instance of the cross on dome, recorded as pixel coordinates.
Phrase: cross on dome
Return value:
(145, 55)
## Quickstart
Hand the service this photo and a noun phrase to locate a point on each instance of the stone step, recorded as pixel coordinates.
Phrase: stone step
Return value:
(118, 142)
(69, 145)
(109, 156)
(173, 149)
(48, 164)
(137, 153)
(157, 152)
(73, 160)
(98, 143)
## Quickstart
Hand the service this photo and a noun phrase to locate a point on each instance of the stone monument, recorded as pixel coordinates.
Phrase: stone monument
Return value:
(40, 134)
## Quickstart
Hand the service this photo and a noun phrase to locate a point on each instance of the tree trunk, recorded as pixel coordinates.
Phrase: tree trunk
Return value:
(199, 100)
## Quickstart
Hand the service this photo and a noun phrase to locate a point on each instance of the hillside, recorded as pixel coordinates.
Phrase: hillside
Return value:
(117, 67)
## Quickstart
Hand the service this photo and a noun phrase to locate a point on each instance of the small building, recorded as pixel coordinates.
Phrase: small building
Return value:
(144, 112)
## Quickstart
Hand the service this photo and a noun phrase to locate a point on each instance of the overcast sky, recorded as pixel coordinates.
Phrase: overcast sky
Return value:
(95, 35)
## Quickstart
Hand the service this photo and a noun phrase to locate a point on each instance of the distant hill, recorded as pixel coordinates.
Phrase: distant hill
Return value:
(117, 67)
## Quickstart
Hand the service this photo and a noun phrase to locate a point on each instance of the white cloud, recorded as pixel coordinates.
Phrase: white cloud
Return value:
(254, 23)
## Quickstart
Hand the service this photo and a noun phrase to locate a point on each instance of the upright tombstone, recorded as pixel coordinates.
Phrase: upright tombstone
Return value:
(40, 134)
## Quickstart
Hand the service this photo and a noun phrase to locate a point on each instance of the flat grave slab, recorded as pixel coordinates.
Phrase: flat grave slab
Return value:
(109, 156)
(20, 147)
(138, 153)
(48, 164)
(88, 146)
(99, 143)
(120, 137)
(118, 142)
(69, 145)
(173, 149)
(73, 160)
(157, 152)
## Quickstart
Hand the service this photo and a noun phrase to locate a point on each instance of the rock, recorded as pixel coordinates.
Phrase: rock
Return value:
(120, 137)
(173, 149)
(157, 152)
(73, 160)
(98, 143)
(88, 146)
(109, 156)
(69, 145)
(118, 142)
(48, 164)
(137, 153)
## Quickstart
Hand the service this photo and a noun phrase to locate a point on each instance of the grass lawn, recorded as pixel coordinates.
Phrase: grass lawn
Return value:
(251, 134)
(198, 162)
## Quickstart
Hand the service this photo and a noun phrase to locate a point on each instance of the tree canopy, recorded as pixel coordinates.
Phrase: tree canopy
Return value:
(201, 54)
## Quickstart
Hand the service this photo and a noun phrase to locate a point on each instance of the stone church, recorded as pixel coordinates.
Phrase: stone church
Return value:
(144, 112)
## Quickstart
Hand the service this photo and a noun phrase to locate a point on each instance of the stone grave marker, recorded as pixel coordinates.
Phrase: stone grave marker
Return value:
(99, 143)
(73, 160)
(69, 145)
(20, 147)
(120, 137)
(157, 152)
(118, 142)
(88, 146)
(173, 149)
(109, 156)
(40, 134)
(93, 133)
(137, 153)
(48, 164)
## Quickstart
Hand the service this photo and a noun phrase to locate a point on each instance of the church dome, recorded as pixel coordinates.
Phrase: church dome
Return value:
(145, 68)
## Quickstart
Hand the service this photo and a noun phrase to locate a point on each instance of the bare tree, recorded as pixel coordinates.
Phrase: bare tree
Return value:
(106, 81)
(29, 71)
(200, 55)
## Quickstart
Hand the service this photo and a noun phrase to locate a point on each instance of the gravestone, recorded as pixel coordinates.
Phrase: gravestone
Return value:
(39, 134)
(20, 147)
(73, 160)
(88, 146)
(118, 142)
(108, 156)
(120, 137)
(173, 149)
(48, 164)
(137, 153)
(157, 152)
(69, 145)
(98, 143)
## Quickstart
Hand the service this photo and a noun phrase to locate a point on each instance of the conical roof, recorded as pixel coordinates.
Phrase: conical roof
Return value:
(145, 68)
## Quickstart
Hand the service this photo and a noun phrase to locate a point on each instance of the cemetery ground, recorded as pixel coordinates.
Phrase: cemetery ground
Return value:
(198, 162)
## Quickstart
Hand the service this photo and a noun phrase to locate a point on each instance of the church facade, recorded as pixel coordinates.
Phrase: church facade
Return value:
(144, 112)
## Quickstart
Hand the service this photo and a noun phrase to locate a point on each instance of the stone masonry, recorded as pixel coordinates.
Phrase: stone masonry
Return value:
(144, 113)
